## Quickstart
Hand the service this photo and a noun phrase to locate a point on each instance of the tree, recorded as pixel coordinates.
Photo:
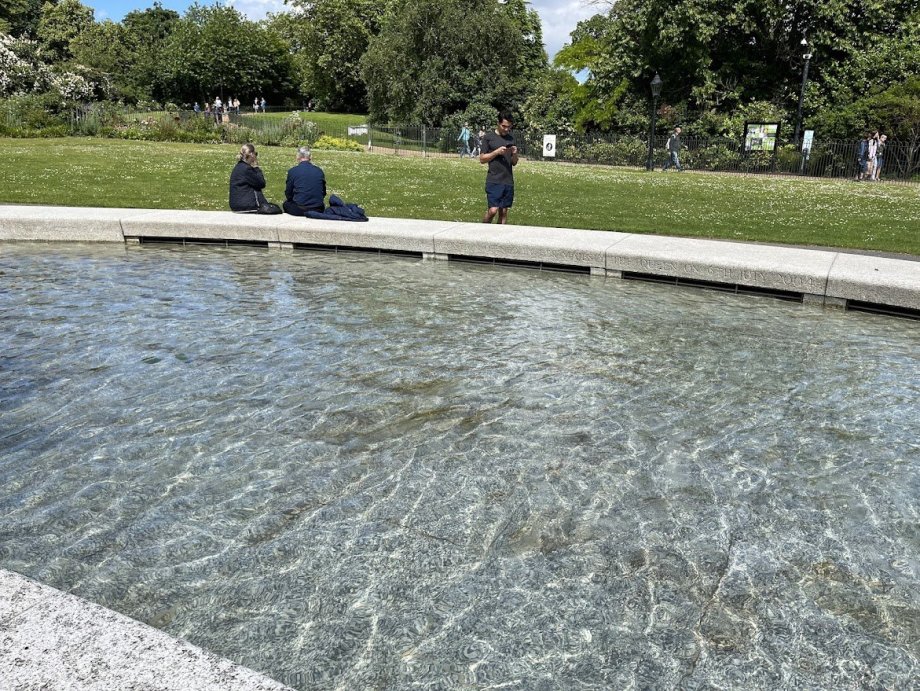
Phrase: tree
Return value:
(432, 58)
(215, 51)
(20, 17)
(716, 55)
(60, 24)
(329, 37)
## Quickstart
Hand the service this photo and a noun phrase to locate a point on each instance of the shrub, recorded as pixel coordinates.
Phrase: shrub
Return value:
(336, 144)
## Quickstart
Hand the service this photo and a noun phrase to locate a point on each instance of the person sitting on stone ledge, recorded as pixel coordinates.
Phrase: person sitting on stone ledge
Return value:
(305, 190)
(246, 184)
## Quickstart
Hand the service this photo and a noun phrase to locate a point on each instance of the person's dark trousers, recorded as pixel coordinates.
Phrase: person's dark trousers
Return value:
(298, 210)
(673, 160)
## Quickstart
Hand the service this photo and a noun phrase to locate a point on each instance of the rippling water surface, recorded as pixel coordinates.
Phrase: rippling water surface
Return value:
(382, 473)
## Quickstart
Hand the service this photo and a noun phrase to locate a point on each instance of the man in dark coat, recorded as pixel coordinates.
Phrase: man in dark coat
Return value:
(306, 186)
(246, 184)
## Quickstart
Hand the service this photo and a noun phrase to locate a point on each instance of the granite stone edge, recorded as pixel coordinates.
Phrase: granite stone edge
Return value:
(812, 272)
(53, 639)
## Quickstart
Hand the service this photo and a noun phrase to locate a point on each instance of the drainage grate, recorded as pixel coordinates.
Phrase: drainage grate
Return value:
(887, 310)
(788, 295)
(201, 241)
(520, 264)
(355, 250)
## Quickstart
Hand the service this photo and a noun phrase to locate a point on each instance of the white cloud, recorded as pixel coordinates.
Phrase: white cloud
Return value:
(559, 18)
(257, 9)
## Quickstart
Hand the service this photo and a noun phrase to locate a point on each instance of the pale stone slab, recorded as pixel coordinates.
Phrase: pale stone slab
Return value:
(202, 225)
(403, 234)
(880, 280)
(760, 266)
(60, 224)
(59, 641)
(585, 248)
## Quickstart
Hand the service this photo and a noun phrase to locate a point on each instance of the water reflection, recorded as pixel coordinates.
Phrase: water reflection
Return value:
(363, 473)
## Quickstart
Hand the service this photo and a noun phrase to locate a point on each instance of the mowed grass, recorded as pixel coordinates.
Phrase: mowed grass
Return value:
(333, 124)
(832, 213)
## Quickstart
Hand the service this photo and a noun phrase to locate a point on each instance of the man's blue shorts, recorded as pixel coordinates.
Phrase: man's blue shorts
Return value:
(499, 195)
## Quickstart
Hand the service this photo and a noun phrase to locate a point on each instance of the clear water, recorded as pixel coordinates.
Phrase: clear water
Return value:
(351, 473)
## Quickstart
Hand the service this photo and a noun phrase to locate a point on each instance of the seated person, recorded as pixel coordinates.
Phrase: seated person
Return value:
(247, 183)
(306, 186)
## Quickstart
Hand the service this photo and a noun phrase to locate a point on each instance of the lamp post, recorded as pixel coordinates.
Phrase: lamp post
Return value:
(798, 115)
(656, 92)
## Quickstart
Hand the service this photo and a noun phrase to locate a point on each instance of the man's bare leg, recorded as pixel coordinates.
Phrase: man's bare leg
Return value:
(503, 215)
(490, 214)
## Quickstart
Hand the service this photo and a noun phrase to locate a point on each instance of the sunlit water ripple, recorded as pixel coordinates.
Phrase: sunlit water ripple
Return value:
(382, 473)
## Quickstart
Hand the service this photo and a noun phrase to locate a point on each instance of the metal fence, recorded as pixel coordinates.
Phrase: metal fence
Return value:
(826, 159)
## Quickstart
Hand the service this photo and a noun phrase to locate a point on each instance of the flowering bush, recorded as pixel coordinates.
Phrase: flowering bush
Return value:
(337, 144)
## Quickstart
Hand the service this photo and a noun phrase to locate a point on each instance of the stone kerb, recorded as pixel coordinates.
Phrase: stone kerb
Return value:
(583, 248)
(759, 266)
(877, 280)
(53, 640)
(201, 225)
(403, 234)
(61, 224)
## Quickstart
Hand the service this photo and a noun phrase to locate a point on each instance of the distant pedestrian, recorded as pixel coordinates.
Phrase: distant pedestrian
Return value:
(862, 157)
(196, 107)
(465, 138)
(673, 147)
(500, 152)
(255, 105)
(870, 156)
(880, 156)
(264, 105)
(236, 106)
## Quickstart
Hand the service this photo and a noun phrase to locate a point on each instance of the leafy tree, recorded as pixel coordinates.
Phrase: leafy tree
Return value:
(215, 51)
(329, 37)
(717, 55)
(433, 58)
(19, 17)
(60, 24)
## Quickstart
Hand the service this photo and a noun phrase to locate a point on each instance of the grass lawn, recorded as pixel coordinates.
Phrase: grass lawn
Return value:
(333, 124)
(832, 213)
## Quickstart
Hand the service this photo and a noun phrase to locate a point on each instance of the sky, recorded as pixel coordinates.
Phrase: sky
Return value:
(559, 17)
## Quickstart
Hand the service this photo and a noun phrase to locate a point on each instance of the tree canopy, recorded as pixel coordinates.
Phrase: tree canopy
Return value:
(432, 62)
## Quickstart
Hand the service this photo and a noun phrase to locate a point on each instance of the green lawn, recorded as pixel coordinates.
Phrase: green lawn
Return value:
(833, 213)
(333, 124)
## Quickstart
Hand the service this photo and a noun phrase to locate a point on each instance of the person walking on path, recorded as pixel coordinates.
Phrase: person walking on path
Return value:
(465, 138)
(673, 147)
(500, 152)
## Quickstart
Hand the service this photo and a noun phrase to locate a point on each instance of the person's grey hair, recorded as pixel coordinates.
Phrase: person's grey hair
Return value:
(304, 153)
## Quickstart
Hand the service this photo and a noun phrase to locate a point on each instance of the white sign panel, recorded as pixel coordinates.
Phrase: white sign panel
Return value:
(807, 140)
(549, 145)
(356, 131)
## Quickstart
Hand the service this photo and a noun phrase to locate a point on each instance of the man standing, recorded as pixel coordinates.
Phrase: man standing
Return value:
(306, 186)
(465, 138)
(499, 151)
(673, 147)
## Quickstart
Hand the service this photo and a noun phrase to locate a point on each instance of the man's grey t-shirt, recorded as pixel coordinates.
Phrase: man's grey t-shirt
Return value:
(500, 169)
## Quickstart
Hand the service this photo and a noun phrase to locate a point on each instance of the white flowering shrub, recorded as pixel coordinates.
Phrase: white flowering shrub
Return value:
(72, 87)
(21, 68)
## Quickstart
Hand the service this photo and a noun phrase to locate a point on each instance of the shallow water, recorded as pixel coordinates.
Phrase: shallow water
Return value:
(357, 472)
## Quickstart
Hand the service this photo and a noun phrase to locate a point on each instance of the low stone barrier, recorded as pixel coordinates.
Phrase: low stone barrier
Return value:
(52, 640)
(826, 277)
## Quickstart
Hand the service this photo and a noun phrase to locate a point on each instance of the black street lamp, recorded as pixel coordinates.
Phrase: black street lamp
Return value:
(656, 92)
(798, 115)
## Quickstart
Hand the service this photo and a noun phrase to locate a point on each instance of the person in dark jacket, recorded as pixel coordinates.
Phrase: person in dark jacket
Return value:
(673, 147)
(306, 186)
(246, 184)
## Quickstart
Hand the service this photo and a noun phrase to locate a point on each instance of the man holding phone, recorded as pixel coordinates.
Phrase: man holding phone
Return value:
(499, 151)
